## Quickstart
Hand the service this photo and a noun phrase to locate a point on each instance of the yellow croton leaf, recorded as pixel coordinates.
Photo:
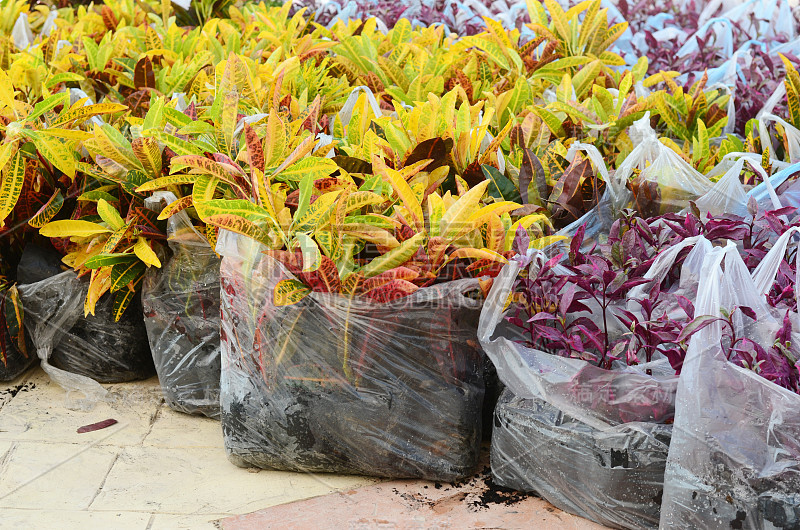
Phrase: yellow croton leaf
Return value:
(145, 253)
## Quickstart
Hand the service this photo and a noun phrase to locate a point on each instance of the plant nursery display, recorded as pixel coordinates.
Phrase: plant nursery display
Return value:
(327, 223)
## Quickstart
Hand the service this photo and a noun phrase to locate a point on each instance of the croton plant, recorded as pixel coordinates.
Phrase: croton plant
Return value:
(247, 114)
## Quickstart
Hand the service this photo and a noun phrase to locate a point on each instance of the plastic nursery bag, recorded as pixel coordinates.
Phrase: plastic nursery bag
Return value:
(582, 419)
(734, 461)
(614, 476)
(665, 182)
(334, 384)
(75, 350)
(181, 309)
(728, 195)
(599, 219)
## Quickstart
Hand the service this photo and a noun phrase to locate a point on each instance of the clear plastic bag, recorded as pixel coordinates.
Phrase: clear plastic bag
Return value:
(77, 351)
(571, 406)
(734, 460)
(664, 185)
(599, 219)
(333, 384)
(181, 309)
(536, 447)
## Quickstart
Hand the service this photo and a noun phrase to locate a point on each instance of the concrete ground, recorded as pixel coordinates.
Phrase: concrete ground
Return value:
(156, 468)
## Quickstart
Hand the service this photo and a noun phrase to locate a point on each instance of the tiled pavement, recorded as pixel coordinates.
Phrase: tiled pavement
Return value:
(157, 468)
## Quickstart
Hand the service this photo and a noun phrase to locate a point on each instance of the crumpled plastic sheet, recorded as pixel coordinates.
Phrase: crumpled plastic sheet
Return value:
(734, 461)
(613, 476)
(75, 351)
(331, 384)
(181, 308)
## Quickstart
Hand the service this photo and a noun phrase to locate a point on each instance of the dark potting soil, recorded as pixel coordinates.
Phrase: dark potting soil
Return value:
(726, 498)
(95, 346)
(396, 431)
(613, 477)
(181, 310)
(104, 350)
(494, 388)
(415, 411)
(478, 493)
(37, 263)
(15, 362)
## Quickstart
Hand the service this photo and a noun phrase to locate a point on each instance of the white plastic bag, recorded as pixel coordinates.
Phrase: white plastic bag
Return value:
(734, 461)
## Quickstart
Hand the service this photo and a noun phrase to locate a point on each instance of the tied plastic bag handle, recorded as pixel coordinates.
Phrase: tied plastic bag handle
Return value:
(765, 273)
(593, 154)
(763, 189)
(708, 301)
(495, 304)
(728, 195)
(664, 262)
(792, 134)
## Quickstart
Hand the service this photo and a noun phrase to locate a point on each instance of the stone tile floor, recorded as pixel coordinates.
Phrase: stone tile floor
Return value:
(157, 468)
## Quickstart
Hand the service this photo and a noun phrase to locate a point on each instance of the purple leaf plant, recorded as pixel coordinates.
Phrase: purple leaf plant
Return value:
(580, 306)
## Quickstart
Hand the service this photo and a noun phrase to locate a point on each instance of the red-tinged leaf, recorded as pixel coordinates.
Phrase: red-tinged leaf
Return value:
(522, 241)
(748, 312)
(398, 273)
(392, 291)
(567, 197)
(323, 280)
(435, 149)
(531, 170)
(552, 262)
(97, 426)
(143, 74)
(254, 148)
(686, 305)
(566, 298)
(138, 103)
(542, 317)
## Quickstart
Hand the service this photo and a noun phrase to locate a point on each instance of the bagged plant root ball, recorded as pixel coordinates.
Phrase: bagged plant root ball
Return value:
(347, 385)
(591, 438)
(181, 309)
(93, 346)
(538, 448)
(734, 461)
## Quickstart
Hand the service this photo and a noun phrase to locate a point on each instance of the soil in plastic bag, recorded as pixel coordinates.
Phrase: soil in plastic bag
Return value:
(181, 309)
(37, 263)
(104, 350)
(331, 384)
(614, 476)
(95, 346)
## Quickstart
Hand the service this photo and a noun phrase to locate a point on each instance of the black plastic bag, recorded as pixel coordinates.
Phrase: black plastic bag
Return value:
(181, 309)
(332, 384)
